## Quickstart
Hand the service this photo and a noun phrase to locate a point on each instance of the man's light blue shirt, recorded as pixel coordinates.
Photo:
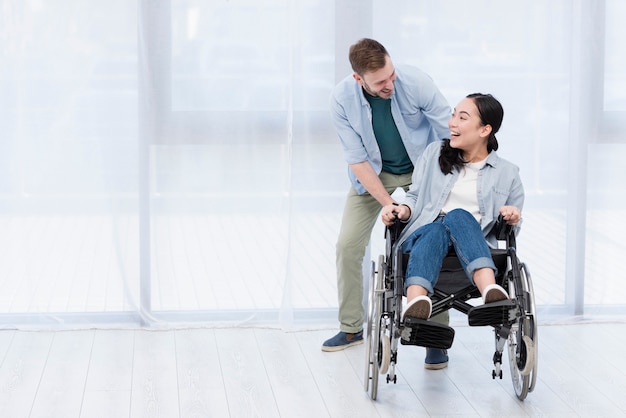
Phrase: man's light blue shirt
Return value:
(420, 111)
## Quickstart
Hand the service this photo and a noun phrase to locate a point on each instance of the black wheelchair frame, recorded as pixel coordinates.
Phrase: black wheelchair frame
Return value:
(514, 320)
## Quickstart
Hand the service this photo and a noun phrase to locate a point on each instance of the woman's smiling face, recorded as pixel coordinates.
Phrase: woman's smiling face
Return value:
(467, 131)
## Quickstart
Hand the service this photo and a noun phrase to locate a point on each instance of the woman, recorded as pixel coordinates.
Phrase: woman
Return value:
(460, 186)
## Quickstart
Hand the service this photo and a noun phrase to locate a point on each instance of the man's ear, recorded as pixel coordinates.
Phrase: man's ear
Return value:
(358, 78)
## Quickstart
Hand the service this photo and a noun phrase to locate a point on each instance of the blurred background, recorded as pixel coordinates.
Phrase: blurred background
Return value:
(172, 162)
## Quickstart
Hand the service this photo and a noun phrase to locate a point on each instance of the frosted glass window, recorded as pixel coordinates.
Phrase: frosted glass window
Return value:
(68, 160)
(615, 57)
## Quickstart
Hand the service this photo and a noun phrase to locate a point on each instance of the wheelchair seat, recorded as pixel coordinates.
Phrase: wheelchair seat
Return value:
(452, 278)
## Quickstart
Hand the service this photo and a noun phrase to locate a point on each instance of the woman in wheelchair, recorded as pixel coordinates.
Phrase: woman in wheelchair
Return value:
(460, 187)
(464, 198)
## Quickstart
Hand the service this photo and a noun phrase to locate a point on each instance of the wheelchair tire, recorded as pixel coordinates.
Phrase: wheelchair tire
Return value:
(373, 343)
(369, 321)
(522, 340)
(534, 337)
(518, 360)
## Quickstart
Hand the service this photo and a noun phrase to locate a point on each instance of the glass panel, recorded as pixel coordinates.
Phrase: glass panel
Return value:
(230, 55)
(68, 157)
(615, 57)
(606, 229)
(228, 198)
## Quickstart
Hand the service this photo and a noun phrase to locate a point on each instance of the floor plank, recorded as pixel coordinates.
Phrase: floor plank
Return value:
(248, 388)
(339, 384)
(200, 380)
(109, 382)
(62, 384)
(155, 383)
(21, 371)
(294, 388)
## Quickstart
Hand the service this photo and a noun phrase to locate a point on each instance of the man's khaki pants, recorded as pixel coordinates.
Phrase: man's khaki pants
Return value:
(359, 217)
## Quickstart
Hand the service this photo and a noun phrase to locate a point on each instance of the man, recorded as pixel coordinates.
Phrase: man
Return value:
(384, 117)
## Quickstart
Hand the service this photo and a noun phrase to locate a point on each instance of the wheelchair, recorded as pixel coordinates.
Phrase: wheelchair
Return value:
(513, 321)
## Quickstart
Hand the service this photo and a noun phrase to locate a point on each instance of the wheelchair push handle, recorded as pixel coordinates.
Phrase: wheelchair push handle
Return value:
(396, 228)
(502, 229)
(395, 214)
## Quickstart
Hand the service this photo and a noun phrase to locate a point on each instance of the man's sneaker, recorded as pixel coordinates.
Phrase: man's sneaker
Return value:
(494, 293)
(342, 341)
(436, 359)
(419, 308)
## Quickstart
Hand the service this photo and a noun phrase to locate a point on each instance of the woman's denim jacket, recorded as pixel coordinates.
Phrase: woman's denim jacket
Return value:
(498, 185)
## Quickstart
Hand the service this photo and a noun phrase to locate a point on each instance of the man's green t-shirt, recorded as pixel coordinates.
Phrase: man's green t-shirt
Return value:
(394, 155)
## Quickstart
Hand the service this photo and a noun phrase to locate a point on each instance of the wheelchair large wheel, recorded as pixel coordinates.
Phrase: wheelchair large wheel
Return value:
(374, 357)
(369, 321)
(522, 341)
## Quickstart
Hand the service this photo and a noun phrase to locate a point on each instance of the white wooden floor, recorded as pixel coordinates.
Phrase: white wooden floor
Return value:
(246, 372)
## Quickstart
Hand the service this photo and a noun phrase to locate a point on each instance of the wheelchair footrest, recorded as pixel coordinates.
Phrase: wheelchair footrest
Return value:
(495, 313)
(426, 333)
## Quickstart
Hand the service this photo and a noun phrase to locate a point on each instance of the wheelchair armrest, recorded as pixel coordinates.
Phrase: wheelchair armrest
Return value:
(502, 229)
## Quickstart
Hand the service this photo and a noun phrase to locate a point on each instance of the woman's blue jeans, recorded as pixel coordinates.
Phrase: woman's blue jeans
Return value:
(429, 245)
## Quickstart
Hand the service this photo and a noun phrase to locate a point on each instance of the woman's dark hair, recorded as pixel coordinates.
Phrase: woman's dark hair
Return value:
(367, 55)
(491, 113)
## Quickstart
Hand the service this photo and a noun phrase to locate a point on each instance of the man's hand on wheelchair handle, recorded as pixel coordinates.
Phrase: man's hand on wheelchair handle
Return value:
(391, 213)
